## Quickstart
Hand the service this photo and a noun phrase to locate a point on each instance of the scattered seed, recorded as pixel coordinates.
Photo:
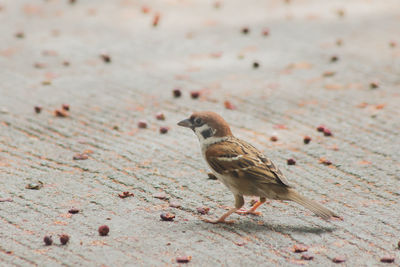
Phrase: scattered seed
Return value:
(339, 259)
(340, 12)
(20, 35)
(103, 230)
(217, 4)
(307, 257)
(72, 1)
(48, 240)
(34, 186)
(273, 138)
(160, 116)
(74, 211)
(60, 113)
(142, 124)
(291, 161)
(307, 139)
(145, 9)
(229, 105)
(203, 210)
(334, 58)
(177, 93)
(320, 128)
(166, 216)
(240, 243)
(39, 65)
(398, 245)
(65, 107)
(325, 161)
(38, 109)
(156, 19)
(126, 194)
(164, 130)
(374, 85)
(64, 239)
(327, 132)
(298, 248)
(183, 259)
(339, 42)
(105, 57)
(211, 176)
(160, 195)
(66, 63)
(392, 44)
(245, 30)
(116, 128)
(46, 83)
(174, 204)
(256, 65)
(265, 32)
(387, 259)
(328, 73)
(80, 156)
(195, 94)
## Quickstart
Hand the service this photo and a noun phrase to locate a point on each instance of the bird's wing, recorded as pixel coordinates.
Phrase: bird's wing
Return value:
(240, 159)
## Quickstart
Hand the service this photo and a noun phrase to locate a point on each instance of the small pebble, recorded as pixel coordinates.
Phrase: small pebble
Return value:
(142, 124)
(183, 259)
(327, 132)
(334, 58)
(166, 216)
(195, 94)
(177, 93)
(307, 257)
(48, 240)
(291, 162)
(256, 64)
(387, 259)
(307, 139)
(160, 195)
(20, 35)
(160, 116)
(106, 58)
(164, 130)
(65, 107)
(325, 161)
(273, 138)
(203, 210)
(298, 248)
(338, 259)
(373, 85)
(74, 211)
(64, 239)
(80, 156)
(126, 194)
(320, 128)
(104, 230)
(245, 30)
(265, 32)
(60, 113)
(38, 109)
(34, 186)
(174, 204)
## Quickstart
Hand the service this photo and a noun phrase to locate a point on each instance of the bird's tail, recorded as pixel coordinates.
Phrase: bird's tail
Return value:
(318, 209)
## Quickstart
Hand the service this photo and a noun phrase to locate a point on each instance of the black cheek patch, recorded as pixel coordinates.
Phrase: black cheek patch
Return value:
(206, 133)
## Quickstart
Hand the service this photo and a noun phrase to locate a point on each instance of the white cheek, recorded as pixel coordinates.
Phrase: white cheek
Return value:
(198, 131)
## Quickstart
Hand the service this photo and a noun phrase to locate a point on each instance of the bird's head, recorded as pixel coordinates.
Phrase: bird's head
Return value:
(206, 125)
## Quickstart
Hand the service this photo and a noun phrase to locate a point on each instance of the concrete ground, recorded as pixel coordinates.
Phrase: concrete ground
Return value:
(335, 63)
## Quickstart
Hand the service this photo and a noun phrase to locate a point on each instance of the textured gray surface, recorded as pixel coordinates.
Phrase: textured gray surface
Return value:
(197, 47)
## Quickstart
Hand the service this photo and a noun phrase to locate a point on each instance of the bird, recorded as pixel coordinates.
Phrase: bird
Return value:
(242, 168)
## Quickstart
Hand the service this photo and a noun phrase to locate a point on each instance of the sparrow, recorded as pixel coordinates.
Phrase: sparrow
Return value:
(242, 168)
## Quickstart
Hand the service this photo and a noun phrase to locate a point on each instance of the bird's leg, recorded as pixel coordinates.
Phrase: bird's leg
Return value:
(253, 209)
(239, 202)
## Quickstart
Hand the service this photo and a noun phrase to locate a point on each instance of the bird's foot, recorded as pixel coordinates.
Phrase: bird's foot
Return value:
(218, 221)
(249, 212)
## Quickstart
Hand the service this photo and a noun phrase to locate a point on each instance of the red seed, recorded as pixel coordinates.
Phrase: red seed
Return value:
(145, 9)
(104, 230)
(273, 138)
(164, 130)
(307, 257)
(387, 259)
(229, 105)
(265, 32)
(156, 19)
(327, 132)
(74, 211)
(60, 113)
(80, 156)
(339, 259)
(160, 116)
(195, 94)
(64, 239)
(65, 107)
(48, 240)
(177, 93)
(307, 139)
(320, 128)
(142, 124)
(291, 161)
(106, 58)
(126, 194)
(203, 210)
(298, 248)
(166, 216)
(392, 44)
(183, 259)
(38, 109)
(245, 30)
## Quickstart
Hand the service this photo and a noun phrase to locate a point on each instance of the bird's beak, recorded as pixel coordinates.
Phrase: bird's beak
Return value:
(185, 123)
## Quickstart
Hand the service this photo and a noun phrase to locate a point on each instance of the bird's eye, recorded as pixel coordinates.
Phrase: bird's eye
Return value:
(198, 121)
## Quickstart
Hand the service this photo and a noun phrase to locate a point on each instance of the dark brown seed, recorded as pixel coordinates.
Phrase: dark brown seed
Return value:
(60, 113)
(256, 65)
(177, 93)
(38, 109)
(327, 132)
(80, 156)
(195, 94)
(48, 240)
(398, 245)
(64, 239)
(166, 216)
(273, 138)
(291, 162)
(115, 127)
(320, 128)
(74, 211)
(142, 124)
(103, 230)
(334, 58)
(126, 194)
(374, 85)
(211, 176)
(160, 116)
(183, 259)
(307, 139)
(307, 257)
(72, 1)
(38, 65)
(265, 32)
(298, 248)
(245, 30)
(387, 259)
(65, 107)
(339, 259)
(203, 210)
(20, 35)
(164, 130)
(106, 58)
(66, 63)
